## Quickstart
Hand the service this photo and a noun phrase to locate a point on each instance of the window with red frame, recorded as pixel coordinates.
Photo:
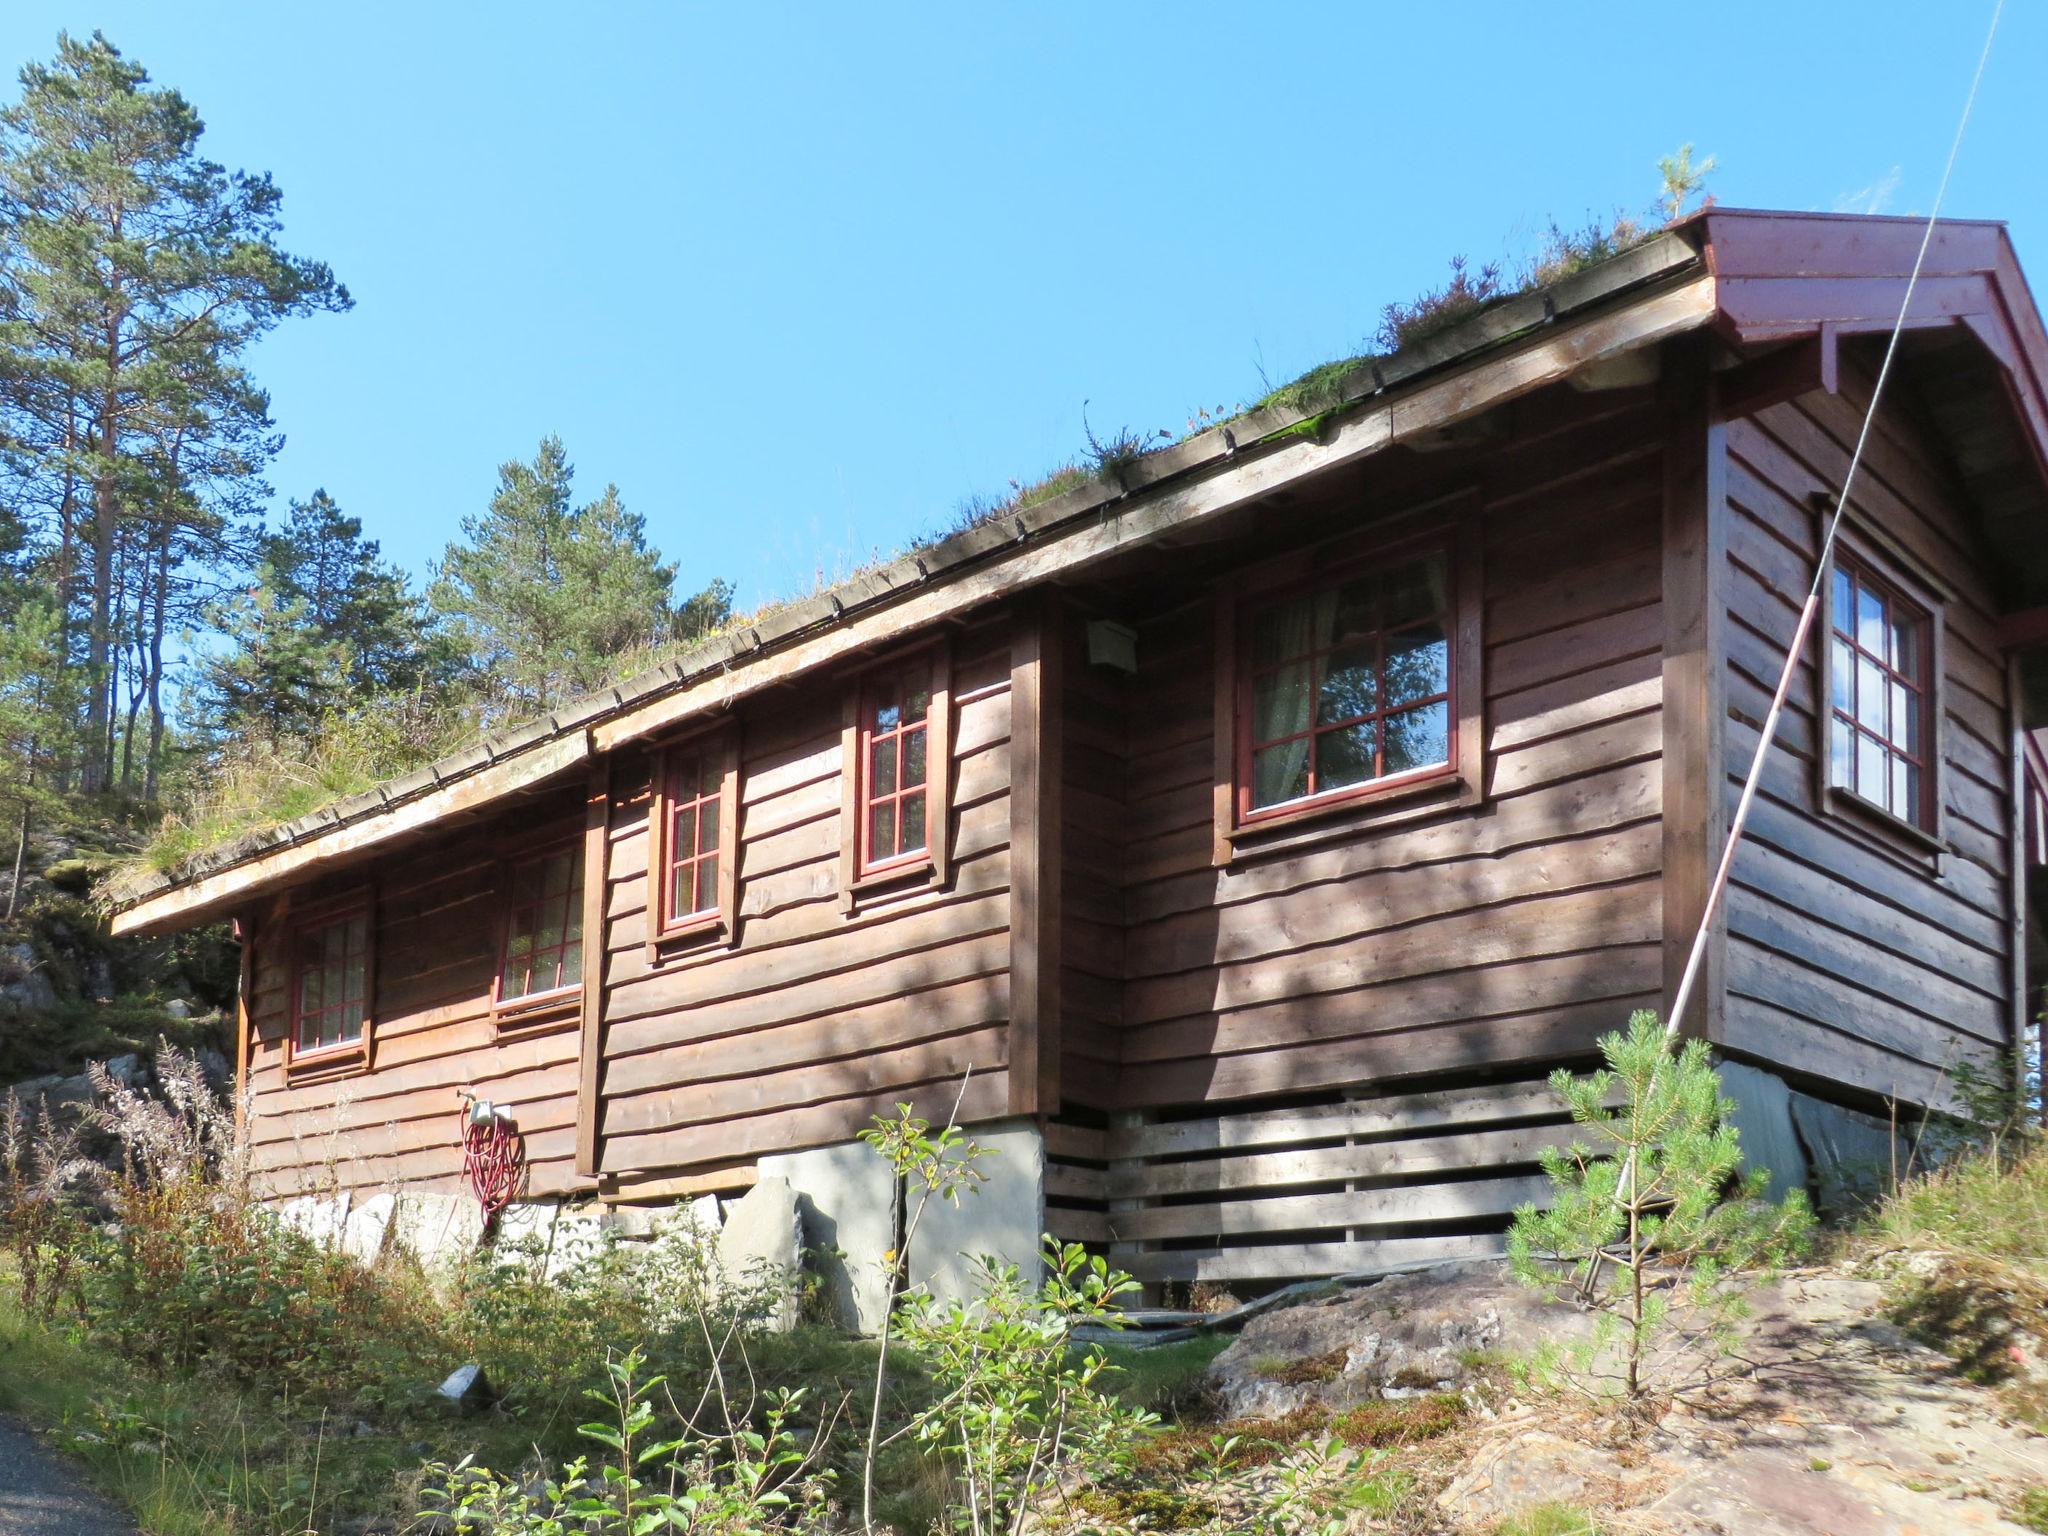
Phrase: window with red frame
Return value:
(693, 787)
(895, 737)
(331, 984)
(1346, 684)
(1880, 702)
(543, 926)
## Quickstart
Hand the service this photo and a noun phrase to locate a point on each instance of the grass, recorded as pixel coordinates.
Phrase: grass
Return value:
(1983, 1206)
(1169, 1379)
(1984, 1303)
(193, 1458)
(1549, 1520)
(2031, 1509)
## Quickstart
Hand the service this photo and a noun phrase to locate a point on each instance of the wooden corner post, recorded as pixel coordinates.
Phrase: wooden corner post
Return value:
(1695, 677)
(1036, 760)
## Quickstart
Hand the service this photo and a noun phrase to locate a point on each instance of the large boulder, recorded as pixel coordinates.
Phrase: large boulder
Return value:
(1402, 1336)
(761, 1243)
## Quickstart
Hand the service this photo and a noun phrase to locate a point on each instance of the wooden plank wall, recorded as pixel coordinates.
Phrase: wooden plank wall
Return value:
(815, 1020)
(1292, 1002)
(437, 934)
(1846, 961)
(1514, 931)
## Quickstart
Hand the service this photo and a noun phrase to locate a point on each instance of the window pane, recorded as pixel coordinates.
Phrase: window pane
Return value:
(1418, 664)
(1905, 731)
(572, 965)
(882, 767)
(1842, 676)
(1870, 769)
(1418, 738)
(917, 703)
(913, 758)
(710, 775)
(1280, 703)
(1905, 781)
(1345, 756)
(913, 824)
(1842, 753)
(1280, 773)
(1419, 589)
(352, 984)
(1870, 695)
(707, 827)
(334, 943)
(312, 991)
(1905, 656)
(1870, 625)
(1844, 602)
(1350, 684)
(682, 890)
(882, 830)
(888, 715)
(555, 875)
(707, 883)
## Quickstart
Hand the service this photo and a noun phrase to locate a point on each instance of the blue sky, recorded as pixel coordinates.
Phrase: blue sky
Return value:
(800, 279)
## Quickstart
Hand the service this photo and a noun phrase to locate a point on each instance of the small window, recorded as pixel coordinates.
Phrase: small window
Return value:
(331, 986)
(694, 883)
(696, 781)
(895, 767)
(897, 747)
(1347, 685)
(1880, 695)
(543, 927)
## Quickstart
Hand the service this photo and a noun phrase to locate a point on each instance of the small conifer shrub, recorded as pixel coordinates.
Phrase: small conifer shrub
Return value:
(1650, 1227)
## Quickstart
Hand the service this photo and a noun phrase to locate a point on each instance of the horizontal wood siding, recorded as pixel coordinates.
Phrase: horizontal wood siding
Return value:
(1513, 931)
(438, 910)
(1357, 1182)
(816, 1018)
(1849, 958)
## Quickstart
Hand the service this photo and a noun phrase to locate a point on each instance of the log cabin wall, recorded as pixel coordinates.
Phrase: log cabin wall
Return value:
(1285, 1026)
(437, 913)
(1856, 956)
(817, 1018)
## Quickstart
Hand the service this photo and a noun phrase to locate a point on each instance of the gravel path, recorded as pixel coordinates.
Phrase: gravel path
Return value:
(41, 1494)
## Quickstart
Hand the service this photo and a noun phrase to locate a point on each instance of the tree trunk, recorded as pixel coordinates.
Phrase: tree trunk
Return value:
(99, 761)
(21, 834)
(153, 762)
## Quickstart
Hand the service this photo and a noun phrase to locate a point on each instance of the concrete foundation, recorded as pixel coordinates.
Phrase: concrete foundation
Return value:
(1841, 1158)
(1002, 1221)
(847, 1201)
(1763, 1116)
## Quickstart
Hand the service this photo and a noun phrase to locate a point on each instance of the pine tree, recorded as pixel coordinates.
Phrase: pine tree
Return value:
(545, 596)
(134, 275)
(327, 626)
(1659, 1237)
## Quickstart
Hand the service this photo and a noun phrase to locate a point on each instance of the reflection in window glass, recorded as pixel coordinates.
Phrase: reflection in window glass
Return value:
(1350, 683)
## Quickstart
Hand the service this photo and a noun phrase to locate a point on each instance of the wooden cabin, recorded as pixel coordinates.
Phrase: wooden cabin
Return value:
(1240, 837)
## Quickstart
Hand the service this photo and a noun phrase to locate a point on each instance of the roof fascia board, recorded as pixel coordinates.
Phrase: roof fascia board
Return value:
(210, 895)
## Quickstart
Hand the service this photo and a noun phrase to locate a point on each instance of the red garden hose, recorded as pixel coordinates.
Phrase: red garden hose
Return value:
(493, 1155)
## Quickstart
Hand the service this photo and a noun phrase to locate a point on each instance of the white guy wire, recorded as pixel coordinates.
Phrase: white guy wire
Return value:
(1715, 891)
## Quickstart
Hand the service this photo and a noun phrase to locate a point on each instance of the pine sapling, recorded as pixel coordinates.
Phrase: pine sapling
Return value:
(1650, 1226)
